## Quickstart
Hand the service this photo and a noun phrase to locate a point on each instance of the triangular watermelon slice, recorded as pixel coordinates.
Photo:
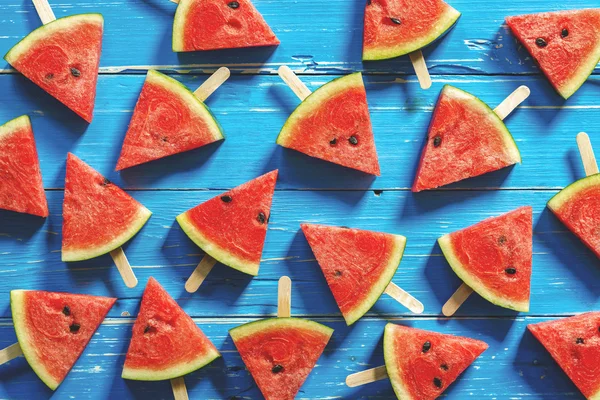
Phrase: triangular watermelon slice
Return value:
(466, 138)
(422, 364)
(280, 353)
(62, 57)
(577, 207)
(98, 216)
(22, 189)
(223, 24)
(232, 227)
(566, 44)
(358, 265)
(167, 119)
(166, 343)
(54, 328)
(334, 124)
(397, 27)
(493, 257)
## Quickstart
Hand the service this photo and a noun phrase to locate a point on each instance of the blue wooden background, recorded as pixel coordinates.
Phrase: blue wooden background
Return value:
(320, 40)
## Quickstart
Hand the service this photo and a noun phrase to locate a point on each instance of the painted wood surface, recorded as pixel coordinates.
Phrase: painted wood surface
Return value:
(320, 41)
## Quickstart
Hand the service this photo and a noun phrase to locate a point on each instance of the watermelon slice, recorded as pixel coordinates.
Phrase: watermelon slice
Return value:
(98, 216)
(54, 328)
(466, 138)
(493, 257)
(358, 265)
(232, 227)
(578, 207)
(22, 189)
(280, 353)
(168, 119)
(62, 57)
(166, 343)
(566, 44)
(219, 24)
(422, 364)
(574, 343)
(333, 124)
(397, 27)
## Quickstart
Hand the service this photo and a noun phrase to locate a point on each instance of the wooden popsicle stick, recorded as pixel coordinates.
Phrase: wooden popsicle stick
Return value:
(10, 352)
(587, 154)
(44, 11)
(200, 273)
(179, 389)
(366, 376)
(284, 297)
(120, 259)
(212, 83)
(456, 300)
(292, 80)
(174, 1)
(404, 298)
(420, 67)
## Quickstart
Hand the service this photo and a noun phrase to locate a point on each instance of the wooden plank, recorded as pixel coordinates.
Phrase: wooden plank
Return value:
(252, 110)
(138, 35)
(562, 267)
(515, 366)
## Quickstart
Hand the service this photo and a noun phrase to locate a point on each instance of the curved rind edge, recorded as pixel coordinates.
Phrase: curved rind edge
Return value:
(263, 324)
(140, 374)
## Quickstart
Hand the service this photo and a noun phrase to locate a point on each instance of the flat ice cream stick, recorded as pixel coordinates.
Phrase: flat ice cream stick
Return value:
(120, 259)
(284, 297)
(587, 154)
(456, 300)
(174, 1)
(404, 298)
(200, 273)
(10, 352)
(366, 376)
(44, 11)
(290, 78)
(418, 62)
(179, 389)
(212, 83)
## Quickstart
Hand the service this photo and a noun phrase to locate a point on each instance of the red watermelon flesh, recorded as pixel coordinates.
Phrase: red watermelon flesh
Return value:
(493, 257)
(62, 57)
(422, 364)
(54, 328)
(465, 139)
(566, 44)
(98, 216)
(166, 343)
(578, 207)
(168, 119)
(574, 343)
(232, 227)
(397, 27)
(22, 189)
(219, 24)
(334, 124)
(280, 353)
(358, 265)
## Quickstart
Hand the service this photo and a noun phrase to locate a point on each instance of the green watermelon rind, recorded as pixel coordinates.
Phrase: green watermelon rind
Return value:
(215, 251)
(447, 20)
(179, 25)
(566, 194)
(389, 356)
(48, 29)
(14, 125)
(447, 248)
(262, 325)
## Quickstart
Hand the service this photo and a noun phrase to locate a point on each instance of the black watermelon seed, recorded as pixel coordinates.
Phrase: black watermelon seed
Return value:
(75, 72)
(277, 369)
(564, 33)
(226, 198)
(338, 272)
(540, 42)
(502, 240)
(437, 141)
(234, 4)
(66, 310)
(147, 329)
(395, 20)
(105, 182)
(580, 341)
(164, 139)
(50, 75)
(353, 140)
(510, 271)
(261, 218)
(437, 382)
(333, 142)
(426, 346)
(444, 367)
(74, 327)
